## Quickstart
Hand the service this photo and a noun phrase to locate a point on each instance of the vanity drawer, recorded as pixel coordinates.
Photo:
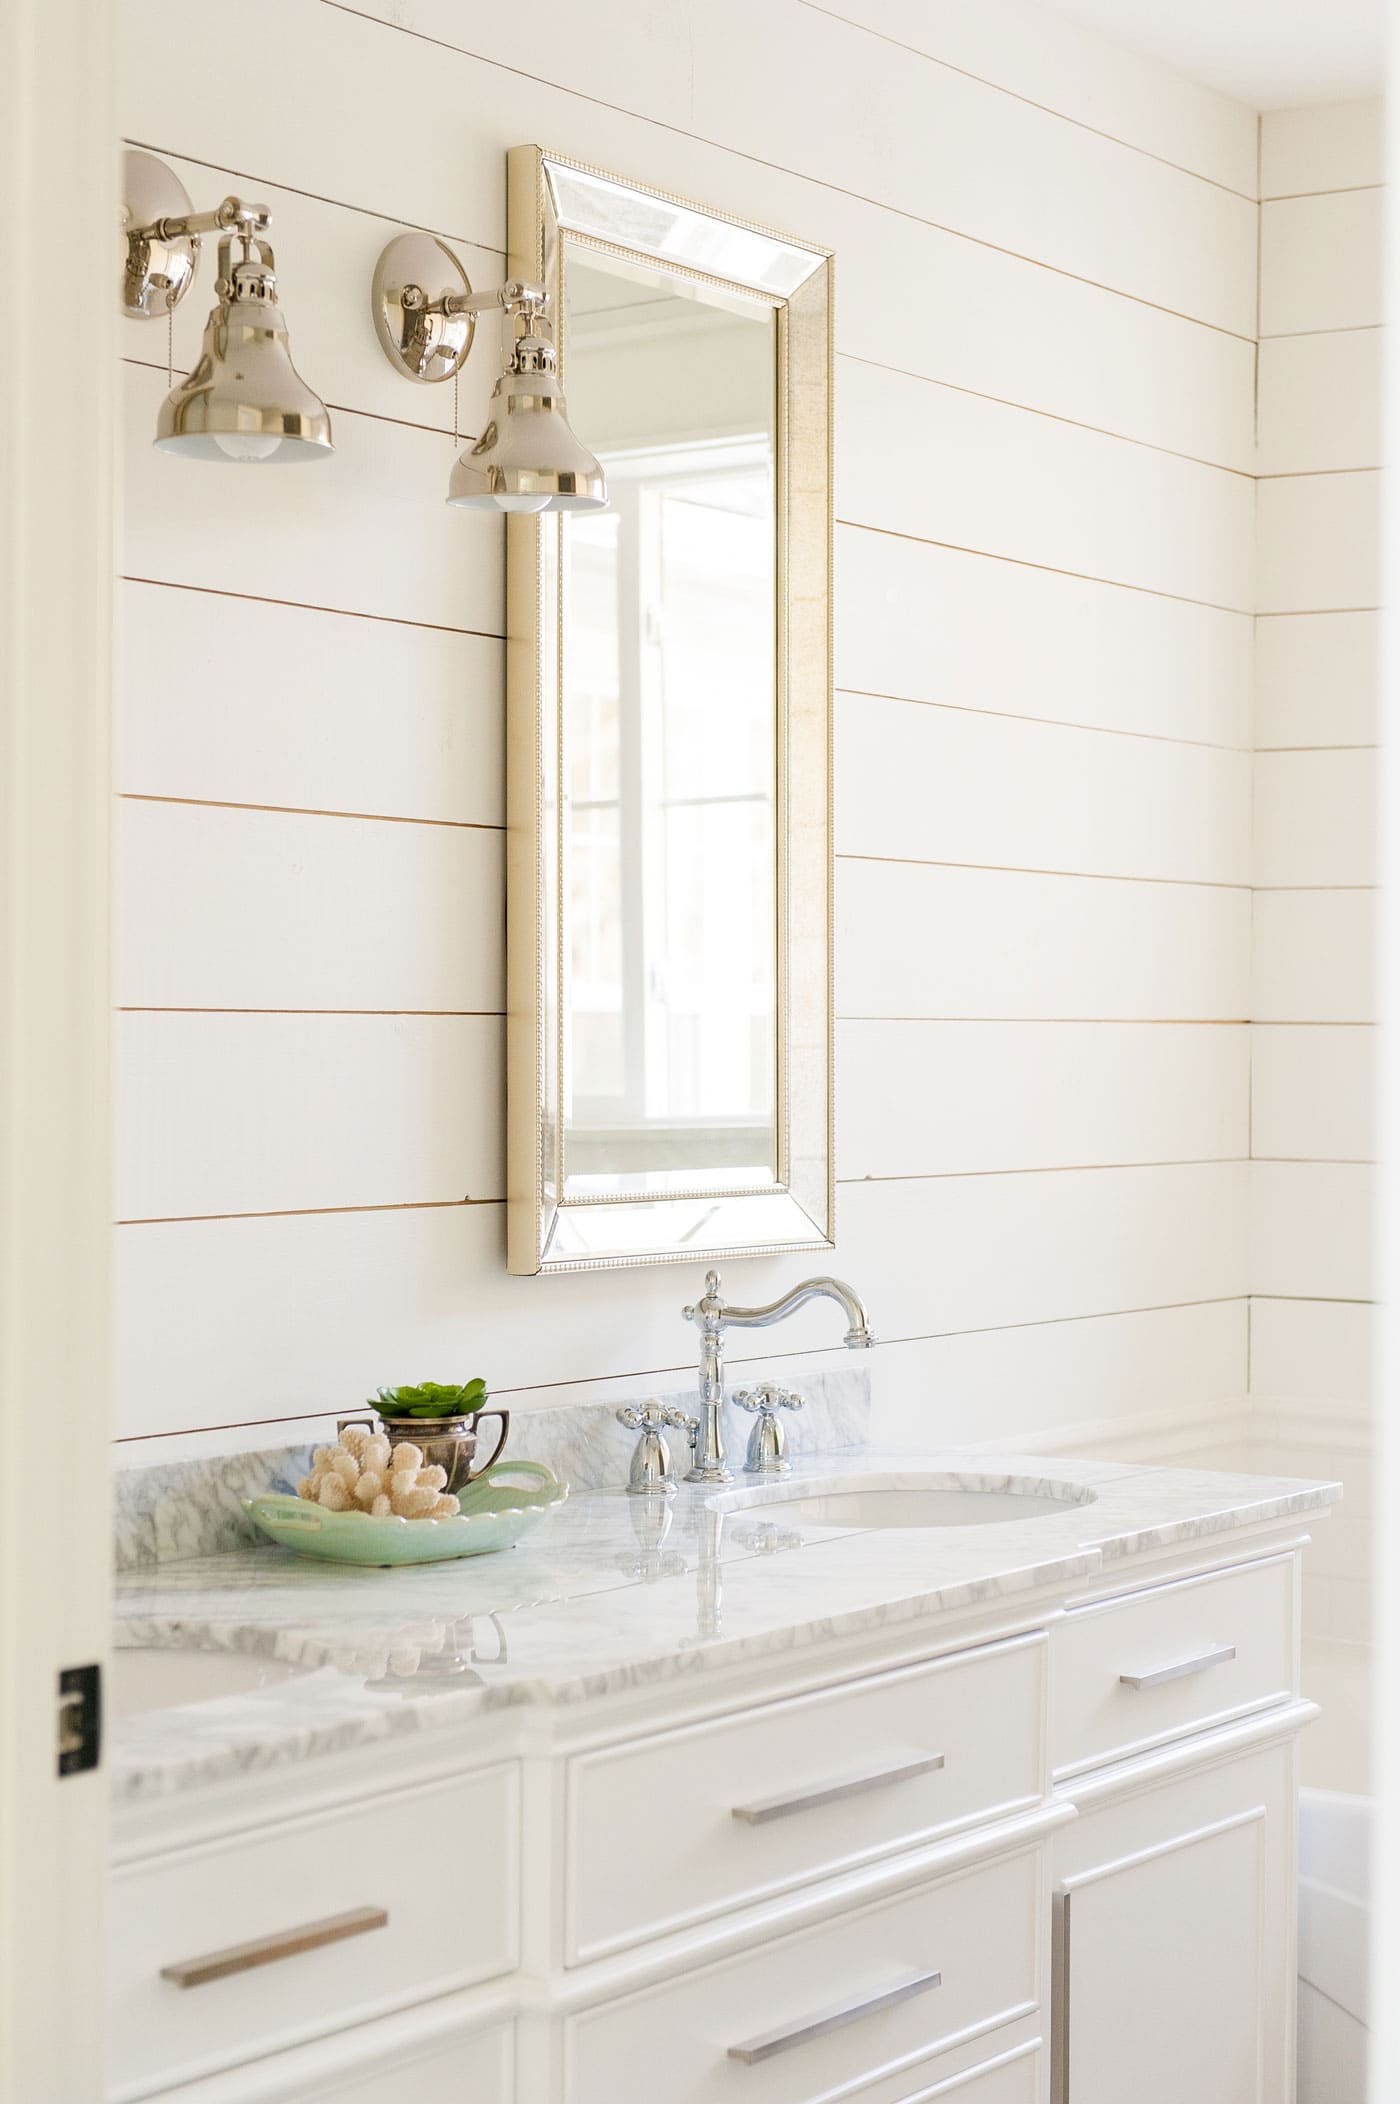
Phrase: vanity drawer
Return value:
(363, 1909)
(733, 1810)
(1129, 1673)
(871, 1994)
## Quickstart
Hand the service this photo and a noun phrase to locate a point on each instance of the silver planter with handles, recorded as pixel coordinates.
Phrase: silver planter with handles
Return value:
(448, 1443)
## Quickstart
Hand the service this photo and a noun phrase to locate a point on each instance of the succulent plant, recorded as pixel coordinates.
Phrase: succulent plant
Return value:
(431, 1399)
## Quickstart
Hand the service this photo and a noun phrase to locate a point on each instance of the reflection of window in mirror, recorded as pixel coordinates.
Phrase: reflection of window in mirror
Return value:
(671, 760)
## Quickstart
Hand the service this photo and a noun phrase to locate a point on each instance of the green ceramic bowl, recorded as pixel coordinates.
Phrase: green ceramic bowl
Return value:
(495, 1511)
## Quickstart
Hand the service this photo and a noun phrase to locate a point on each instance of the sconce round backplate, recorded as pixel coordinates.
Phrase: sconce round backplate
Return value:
(156, 274)
(417, 336)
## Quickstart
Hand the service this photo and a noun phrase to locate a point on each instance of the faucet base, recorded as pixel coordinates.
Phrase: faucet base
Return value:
(710, 1472)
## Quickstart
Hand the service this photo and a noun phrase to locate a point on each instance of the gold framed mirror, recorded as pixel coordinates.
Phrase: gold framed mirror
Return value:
(669, 1035)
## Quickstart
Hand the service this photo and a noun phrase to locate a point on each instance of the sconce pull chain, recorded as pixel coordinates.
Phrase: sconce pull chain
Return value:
(456, 418)
(169, 340)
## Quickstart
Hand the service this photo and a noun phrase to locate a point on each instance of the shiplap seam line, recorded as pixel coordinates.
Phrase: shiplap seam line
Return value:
(1185, 1161)
(1091, 876)
(1341, 328)
(446, 1014)
(1021, 1022)
(1054, 416)
(685, 1369)
(818, 182)
(1065, 723)
(308, 1212)
(1026, 562)
(316, 197)
(1283, 197)
(427, 1205)
(311, 606)
(1047, 109)
(1311, 474)
(378, 818)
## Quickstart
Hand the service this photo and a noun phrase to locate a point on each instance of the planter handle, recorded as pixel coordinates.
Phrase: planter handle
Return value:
(504, 1416)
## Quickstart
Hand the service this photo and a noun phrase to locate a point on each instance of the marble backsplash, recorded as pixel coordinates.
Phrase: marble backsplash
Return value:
(194, 1508)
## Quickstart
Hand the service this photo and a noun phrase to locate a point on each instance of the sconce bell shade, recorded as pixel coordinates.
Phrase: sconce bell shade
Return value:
(245, 400)
(527, 458)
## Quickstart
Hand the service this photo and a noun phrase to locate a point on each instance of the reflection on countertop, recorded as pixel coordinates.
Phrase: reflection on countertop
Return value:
(613, 1593)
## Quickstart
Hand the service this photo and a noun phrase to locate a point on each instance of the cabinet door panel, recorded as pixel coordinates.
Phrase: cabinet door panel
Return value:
(1174, 1944)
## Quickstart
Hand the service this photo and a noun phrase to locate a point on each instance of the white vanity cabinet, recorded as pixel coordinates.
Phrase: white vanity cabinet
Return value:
(1030, 1857)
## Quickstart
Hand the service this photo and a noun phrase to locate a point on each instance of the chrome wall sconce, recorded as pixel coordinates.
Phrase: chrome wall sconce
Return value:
(527, 458)
(244, 400)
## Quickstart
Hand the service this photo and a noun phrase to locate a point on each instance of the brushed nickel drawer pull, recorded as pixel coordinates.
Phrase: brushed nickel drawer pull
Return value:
(771, 2042)
(765, 1808)
(1218, 1655)
(266, 1950)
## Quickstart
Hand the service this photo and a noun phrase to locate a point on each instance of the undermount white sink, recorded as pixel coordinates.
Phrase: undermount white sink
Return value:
(910, 1501)
(152, 1678)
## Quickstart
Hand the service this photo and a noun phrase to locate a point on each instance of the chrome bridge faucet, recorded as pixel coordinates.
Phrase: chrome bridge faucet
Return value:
(714, 1315)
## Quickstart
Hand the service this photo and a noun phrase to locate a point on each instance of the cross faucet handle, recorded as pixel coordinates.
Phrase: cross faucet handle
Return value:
(768, 1397)
(653, 1417)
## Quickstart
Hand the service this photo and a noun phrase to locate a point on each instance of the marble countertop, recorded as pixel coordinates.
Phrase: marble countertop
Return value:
(610, 1593)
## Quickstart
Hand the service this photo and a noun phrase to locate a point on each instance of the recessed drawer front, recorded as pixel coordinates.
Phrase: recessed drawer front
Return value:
(1129, 1673)
(255, 1942)
(871, 1994)
(668, 1830)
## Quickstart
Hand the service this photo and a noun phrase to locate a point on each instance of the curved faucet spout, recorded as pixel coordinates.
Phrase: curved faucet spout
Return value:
(713, 1315)
(858, 1333)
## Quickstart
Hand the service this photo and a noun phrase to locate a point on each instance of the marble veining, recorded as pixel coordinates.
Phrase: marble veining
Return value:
(613, 1593)
(186, 1509)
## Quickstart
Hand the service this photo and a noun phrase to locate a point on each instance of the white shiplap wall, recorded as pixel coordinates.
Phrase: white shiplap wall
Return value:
(1045, 496)
(1312, 1053)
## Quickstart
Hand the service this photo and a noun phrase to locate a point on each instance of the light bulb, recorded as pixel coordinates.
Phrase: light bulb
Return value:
(520, 501)
(247, 445)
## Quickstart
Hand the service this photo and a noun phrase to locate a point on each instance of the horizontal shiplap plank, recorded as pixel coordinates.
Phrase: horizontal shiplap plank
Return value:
(1318, 543)
(1313, 1094)
(258, 909)
(1036, 52)
(978, 475)
(1334, 146)
(1314, 956)
(1312, 1229)
(1315, 680)
(934, 624)
(1320, 402)
(367, 529)
(1050, 1378)
(944, 785)
(860, 113)
(929, 942)
(353, 715)
(1320, 263)
(929, 1099)
(272, 1113)
(1314, 1350)
(1314, 818)
(378, 1282)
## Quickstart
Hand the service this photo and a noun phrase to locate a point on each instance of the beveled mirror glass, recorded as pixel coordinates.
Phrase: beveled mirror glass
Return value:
(669, 789)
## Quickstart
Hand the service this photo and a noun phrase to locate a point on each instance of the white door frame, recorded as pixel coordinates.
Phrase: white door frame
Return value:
(58, 267)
